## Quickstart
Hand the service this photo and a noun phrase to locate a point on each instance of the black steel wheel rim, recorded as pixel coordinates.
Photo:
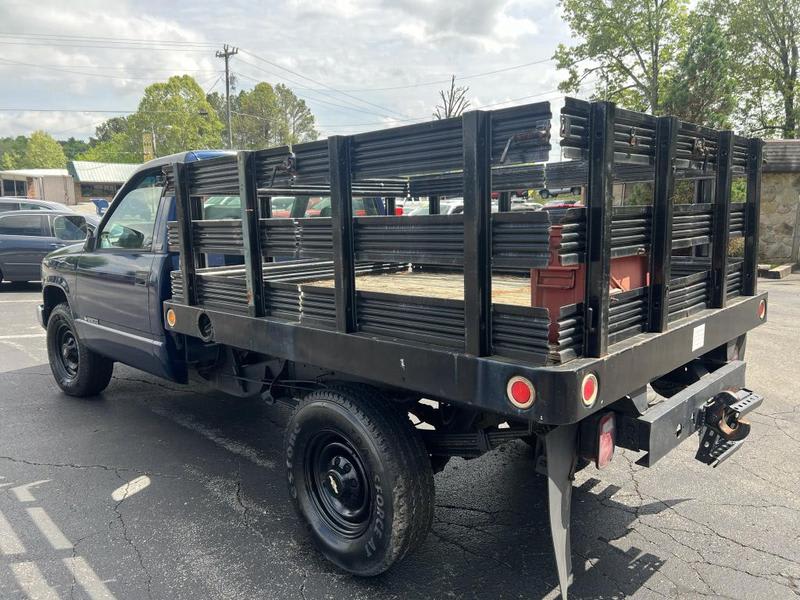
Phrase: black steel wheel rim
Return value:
(67, 350)
(338, 485)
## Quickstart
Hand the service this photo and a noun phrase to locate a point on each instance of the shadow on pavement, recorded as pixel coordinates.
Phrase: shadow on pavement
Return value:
(490, 537)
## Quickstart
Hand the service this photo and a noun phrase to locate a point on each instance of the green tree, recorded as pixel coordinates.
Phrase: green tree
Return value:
(106, 130)
(268, 116)
(255, 118)
(43, 152)
(118, 147)
(298, 120)
(626, 44)
(11, 151)
(177, 115)
(174, 116)
(702, 86)
(767, 34)
(73, 147)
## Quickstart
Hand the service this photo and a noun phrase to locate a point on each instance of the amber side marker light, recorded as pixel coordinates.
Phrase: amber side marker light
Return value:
(520, 392)
(762, 309)
(171, 318)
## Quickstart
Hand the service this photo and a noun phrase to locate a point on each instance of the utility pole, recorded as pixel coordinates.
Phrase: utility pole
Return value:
(226, 53)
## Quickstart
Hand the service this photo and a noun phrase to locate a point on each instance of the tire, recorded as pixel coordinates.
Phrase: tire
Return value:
(351, 438)
(77, 370)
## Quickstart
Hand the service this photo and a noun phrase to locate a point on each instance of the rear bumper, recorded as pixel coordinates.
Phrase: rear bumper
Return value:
(667, 424)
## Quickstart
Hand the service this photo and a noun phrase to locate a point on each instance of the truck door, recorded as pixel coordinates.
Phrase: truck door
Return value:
(115, 279)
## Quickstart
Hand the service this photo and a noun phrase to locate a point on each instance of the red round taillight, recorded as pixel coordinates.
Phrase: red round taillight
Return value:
(520, 392)
(589, 389)
(762, 309)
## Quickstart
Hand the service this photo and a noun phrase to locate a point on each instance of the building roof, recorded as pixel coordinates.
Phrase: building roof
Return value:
(84, 171)
(35, 173)
(782, 156)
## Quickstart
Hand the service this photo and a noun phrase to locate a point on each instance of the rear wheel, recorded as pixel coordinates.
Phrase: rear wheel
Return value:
(360, 477)
(77, 370)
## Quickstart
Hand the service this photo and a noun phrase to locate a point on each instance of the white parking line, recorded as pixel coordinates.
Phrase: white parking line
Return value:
(9, 542)
(49, 529)
(88, 579)
(23, 336)
(134, 486)
(22, 492)
(32, 582)
(18, 301)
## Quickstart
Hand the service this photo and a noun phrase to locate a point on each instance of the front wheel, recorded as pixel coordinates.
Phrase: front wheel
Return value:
(360, 477)
(77, 370)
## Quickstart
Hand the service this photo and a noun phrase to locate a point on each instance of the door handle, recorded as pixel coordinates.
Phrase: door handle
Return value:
(141, 277)
(56, 245)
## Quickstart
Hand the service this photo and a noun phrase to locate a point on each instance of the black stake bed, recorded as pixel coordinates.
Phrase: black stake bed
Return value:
(442, 304)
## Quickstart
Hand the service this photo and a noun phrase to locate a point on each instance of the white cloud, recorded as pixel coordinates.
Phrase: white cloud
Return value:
(355, 45)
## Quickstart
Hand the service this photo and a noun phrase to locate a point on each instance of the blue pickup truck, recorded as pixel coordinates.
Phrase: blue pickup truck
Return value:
(402, 341)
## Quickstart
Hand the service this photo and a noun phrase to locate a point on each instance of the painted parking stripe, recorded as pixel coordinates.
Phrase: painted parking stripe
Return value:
(9, 542)
(22, 336)
(88, 579)
(22, 492)
(134, 486)
(49, 529)
(32, 582)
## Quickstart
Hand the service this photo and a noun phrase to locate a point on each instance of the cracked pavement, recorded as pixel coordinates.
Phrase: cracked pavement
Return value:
(216, 521)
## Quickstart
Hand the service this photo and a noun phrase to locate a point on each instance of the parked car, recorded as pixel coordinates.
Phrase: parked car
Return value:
(449, 206)
(562, 204)
(9, 203)
(27, 236)
(553, 192)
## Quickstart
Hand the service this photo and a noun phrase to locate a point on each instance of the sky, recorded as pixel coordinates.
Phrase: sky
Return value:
(360, 64)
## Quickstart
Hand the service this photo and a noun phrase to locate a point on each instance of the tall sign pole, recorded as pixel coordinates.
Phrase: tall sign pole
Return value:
(226, 53)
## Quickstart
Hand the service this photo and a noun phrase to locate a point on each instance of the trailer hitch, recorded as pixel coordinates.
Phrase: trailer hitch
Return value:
(722, 428)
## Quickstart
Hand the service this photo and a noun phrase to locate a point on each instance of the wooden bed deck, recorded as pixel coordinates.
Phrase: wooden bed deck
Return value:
(506, 289)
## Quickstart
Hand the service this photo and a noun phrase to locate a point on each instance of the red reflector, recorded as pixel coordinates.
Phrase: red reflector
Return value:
(606, 434)
(589, 388)
(520, 392)
(762, 309)
(398, 211)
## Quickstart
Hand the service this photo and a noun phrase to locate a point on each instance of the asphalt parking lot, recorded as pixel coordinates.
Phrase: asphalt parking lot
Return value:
(212, 518)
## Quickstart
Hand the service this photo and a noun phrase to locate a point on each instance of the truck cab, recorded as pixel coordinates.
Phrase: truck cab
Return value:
(115, 281)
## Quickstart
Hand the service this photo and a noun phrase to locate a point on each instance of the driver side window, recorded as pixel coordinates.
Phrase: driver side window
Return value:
(133, 221)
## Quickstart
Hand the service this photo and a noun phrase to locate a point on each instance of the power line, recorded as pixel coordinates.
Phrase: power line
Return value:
(358, 109)
(149, 48)
(103, 75)
(102, 39)
(325, 85)
(463, 78)
(114, 68)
